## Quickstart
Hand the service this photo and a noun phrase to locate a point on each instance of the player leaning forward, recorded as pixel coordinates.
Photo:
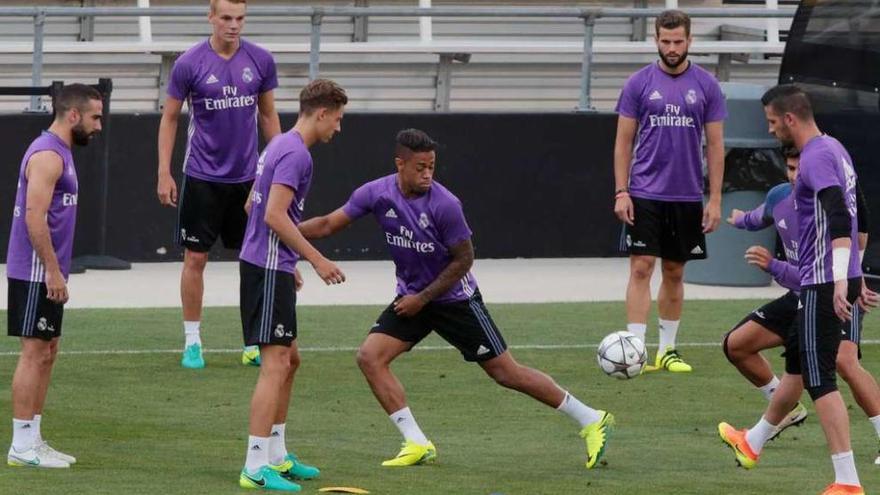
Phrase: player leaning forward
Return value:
(430, 243)
(664, 111)
(38, 263)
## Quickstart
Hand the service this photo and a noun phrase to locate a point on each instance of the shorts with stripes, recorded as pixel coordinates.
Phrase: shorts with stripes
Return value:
(268, 305)
(466, 325)
(819, 334)
(30, 313)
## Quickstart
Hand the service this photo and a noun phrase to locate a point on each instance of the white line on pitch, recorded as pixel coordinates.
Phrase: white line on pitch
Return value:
(353, 349)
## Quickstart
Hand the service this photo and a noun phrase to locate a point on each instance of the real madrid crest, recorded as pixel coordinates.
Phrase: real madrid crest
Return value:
(246, 75)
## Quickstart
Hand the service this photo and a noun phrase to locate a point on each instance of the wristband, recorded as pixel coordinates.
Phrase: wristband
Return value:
(840, 263)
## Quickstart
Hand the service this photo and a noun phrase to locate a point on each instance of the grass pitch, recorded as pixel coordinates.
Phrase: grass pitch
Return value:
(139, 423)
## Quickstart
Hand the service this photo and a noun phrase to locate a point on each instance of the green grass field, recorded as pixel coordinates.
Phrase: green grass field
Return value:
(139, 423)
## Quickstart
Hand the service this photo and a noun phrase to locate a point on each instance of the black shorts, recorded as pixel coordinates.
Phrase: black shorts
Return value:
(268, 306)
(779, 315)
(208, 210)
(671, 230)
(30, 313)
(466, 325)
(819, 334)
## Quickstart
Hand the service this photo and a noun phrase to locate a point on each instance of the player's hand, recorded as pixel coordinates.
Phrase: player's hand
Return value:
(56, 287)
(248, 205)
(735, 215)
(711, 216)
(328, 271)
(759, 256)
(167, 190)
(623, 208)
(868, 299)
(842, 307)
(297, 280)
(409, 305)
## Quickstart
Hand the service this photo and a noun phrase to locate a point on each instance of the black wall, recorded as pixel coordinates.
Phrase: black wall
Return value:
(532, 185)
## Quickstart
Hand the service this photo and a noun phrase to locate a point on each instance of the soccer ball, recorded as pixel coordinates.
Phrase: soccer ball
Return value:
(622, 355)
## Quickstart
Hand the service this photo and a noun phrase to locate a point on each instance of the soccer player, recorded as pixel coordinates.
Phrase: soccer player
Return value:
(228, 85)
(269, 280)
(769, 325)
(666, 108)
(38, 263)
(830, 282)
(430, 243)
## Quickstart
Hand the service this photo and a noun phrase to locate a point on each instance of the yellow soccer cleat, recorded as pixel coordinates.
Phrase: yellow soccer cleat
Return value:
(841, 489)
(596, 435)
(413, 454)
(669, 361)
(250, 355)
(736, 440)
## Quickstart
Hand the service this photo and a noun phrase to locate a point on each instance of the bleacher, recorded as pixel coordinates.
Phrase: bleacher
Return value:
(515, 64)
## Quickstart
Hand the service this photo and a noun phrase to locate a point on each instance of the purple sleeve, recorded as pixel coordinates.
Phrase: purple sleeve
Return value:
(753, 220)
(716, 106)
(179, 85)
(452, 225)
(785, 274)
(628, 103)
(360, 203)
(270, 77)
(818, 172)
(291, 169)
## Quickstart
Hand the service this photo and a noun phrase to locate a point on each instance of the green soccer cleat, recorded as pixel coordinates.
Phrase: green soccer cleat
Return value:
(250, 356)
(413, 454)
(596, 436)
(670, 360)
(192, 357)
(266, 479)
(293, 469)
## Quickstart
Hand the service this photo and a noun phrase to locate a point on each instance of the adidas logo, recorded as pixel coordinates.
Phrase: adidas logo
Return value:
(482, 350)
(256, 447)
(697, 250)
(212, 79)
(800, 305)
(655, 95)
(760, 314)
(782, 224)
(391, 213)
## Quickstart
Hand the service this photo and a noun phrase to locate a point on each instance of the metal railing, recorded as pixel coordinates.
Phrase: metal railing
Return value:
(317, 15)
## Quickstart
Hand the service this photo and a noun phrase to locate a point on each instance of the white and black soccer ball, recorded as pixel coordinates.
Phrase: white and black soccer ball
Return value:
(622, 355)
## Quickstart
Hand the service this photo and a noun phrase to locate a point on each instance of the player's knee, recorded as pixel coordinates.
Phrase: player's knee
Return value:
(294, 361)
(507, 377)
(729, 352)
(194, 260)
(847, 367)
(641, 269)
(367, 360)
(673, 273)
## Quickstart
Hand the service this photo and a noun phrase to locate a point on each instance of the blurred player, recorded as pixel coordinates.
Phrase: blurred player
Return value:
(664, 110)
(228, 85)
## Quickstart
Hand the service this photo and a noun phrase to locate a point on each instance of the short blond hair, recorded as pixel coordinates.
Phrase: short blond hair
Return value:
(214, 3)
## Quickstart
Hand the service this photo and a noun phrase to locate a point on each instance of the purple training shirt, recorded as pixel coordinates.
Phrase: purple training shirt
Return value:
(222, 96)
(671, 112)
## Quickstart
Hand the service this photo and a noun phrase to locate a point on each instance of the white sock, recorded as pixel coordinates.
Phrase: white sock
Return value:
(637, 329)
(38, 435)
(876, 422)
(845, 469)
(191, 332)
(668, 331)
(257, 453)
(22, 434)
(771, 387)
(578, 411)
(406, 423)
(758, 435)
(277, 444)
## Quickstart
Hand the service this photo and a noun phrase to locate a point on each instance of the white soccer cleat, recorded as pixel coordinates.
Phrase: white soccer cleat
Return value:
(795, 417)
(45, 448)
(33, 457)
